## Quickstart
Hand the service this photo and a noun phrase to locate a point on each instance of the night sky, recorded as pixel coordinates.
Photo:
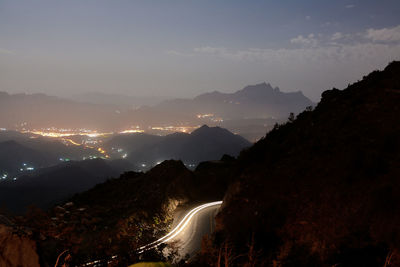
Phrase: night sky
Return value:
(184, 48)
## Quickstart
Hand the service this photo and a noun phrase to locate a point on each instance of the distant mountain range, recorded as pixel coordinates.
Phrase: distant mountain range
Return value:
(255, 101)
(43, 111)
(249, 112)
(121, 101)
(259, 101)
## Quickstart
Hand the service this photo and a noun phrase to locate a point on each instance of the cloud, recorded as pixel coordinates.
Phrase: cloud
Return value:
(6, 51)
(319, 50)
(305, 41)
(337, 36)
(308, 17)
(177, 53)
(384, 35)
(210, 50)
(361, 52)
(350, 6)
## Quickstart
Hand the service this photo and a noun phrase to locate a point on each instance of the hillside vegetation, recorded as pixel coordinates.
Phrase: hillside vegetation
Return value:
(322, 189)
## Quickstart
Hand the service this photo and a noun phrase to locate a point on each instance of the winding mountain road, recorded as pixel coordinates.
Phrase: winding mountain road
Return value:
(189, 230)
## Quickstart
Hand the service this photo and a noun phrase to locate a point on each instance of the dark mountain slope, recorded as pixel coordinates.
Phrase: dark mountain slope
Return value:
(35, 151)
(13, 155)
(211, 143)
(205, 143)
(47, 186)
(322, 189)
(131, 143)
(117, 216)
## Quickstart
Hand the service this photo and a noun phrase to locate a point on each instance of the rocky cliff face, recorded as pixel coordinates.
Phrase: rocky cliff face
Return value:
(16, 249)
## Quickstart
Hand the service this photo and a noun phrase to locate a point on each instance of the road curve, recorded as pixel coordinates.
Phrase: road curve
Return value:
(189, 231)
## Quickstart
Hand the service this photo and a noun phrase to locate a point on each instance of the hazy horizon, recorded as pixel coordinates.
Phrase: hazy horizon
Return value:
(141, 96)
(185, 48)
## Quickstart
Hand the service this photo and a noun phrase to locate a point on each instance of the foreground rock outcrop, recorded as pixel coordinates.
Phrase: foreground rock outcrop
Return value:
(16, 249)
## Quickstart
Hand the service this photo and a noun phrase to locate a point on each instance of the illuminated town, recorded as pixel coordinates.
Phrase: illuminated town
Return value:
(64, 132)
(92, 141)
(92, 137)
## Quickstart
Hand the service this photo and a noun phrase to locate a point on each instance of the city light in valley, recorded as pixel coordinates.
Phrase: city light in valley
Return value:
(57, 133)
(54, 132)
(183, 129)
(93, 140)
(132, 131)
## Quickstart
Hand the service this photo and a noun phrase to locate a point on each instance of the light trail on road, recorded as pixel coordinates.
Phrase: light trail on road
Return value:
(172, 234)
(179, 228)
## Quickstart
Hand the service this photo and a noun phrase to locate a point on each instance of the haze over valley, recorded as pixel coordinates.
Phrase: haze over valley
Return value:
(249, 112)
